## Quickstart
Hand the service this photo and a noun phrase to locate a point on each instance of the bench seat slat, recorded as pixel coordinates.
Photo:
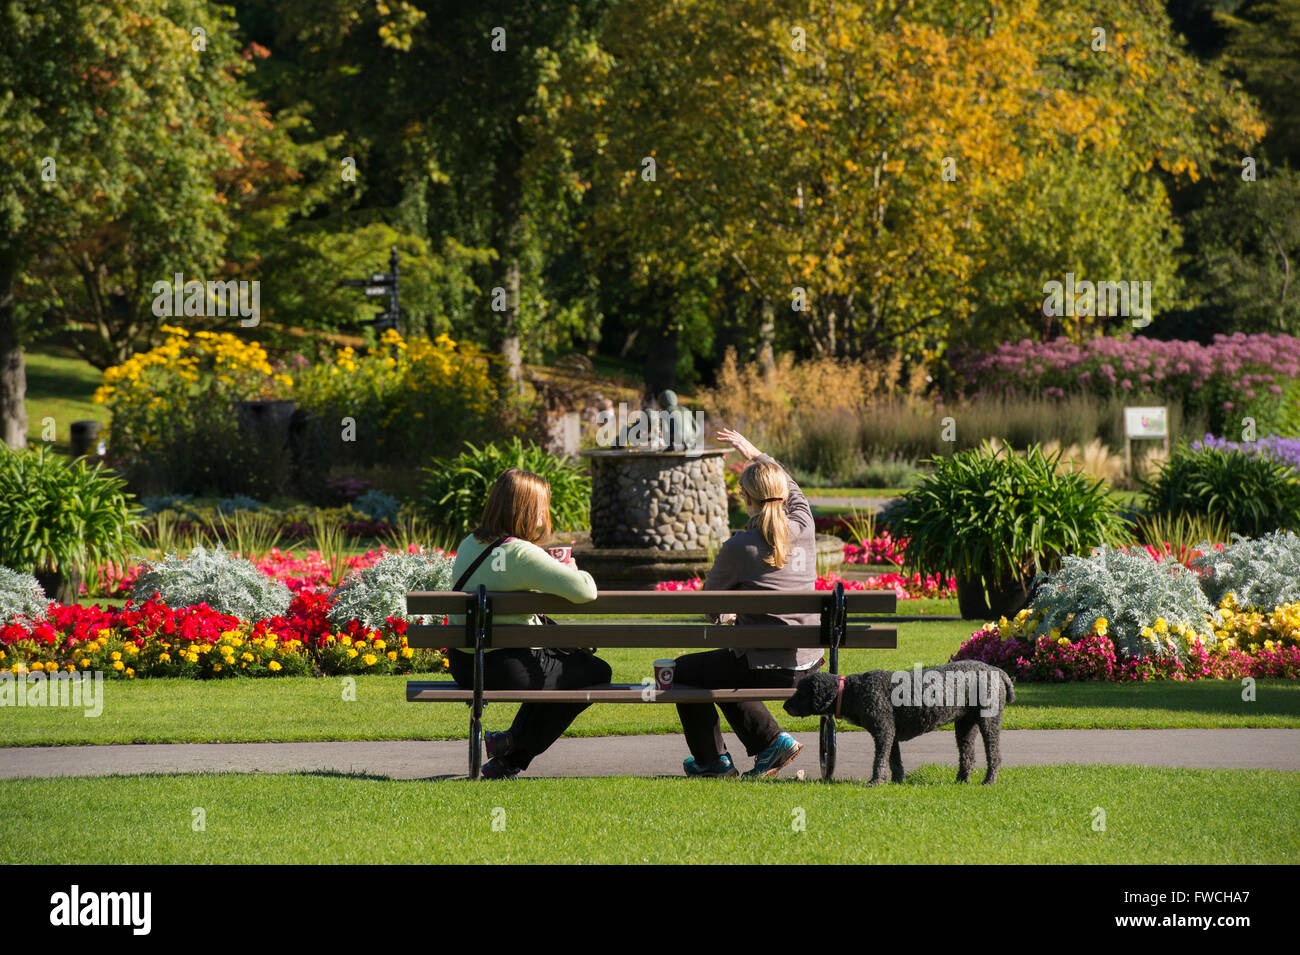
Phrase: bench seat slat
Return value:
(653, 635)
(652, 601)
(444, 691)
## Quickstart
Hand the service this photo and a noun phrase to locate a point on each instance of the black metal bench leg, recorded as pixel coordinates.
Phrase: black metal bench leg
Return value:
(826, 747)
(826, 737)
(476, 709)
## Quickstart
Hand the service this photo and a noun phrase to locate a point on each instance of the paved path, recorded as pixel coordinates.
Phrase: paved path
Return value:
(862, 503)
(660, 755)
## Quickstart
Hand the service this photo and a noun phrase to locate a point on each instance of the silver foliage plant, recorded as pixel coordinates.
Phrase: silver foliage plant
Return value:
(226, 583)
(379, 592)
(20, 596)
(1130, 589)
(1262, 572)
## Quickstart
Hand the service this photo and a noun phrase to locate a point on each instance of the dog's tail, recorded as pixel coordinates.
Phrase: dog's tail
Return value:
(1010, 684)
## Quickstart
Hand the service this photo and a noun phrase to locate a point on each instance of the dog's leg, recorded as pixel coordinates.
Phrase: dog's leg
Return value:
(966, 727)
(884, 742)
(896, 763)
(991, 728)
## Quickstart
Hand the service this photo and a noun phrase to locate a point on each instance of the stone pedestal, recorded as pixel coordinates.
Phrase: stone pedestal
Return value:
(664, 500)
(660, 515)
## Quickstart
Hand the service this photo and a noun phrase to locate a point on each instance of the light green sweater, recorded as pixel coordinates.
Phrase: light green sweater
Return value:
(519, 565)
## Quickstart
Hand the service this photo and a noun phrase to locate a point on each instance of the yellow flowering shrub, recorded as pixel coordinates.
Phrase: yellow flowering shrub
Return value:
(409, 397)
(174, 424)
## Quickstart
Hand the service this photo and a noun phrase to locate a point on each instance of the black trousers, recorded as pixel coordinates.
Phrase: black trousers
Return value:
(536, 725)
(717, 669)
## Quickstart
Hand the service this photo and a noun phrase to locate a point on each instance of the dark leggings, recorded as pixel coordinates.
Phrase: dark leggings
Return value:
(536, 725)
(752, 722)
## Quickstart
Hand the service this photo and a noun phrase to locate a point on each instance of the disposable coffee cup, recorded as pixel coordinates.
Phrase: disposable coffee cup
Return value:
(561, 554)
(665, 670)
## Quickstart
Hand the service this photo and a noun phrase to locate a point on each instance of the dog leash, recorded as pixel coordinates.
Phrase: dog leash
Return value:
(839, 697)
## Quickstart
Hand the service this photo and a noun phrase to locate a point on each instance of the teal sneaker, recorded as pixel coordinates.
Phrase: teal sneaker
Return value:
(769, 762)
(720, 767)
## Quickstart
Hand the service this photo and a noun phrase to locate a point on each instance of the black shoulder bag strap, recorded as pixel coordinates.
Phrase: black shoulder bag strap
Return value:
(469, 571)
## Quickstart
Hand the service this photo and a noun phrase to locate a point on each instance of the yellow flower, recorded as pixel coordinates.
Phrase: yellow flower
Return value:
(164, 657)
(130, 674)
(351, 653)
(116, 656)
(38, 666)
(85, 661)
(392, 655)
(119, 665)
(273, 667)
(369, 659)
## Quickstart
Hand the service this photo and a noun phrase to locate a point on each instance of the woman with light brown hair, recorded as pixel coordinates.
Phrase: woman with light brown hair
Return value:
(503, 553)
(775, 551)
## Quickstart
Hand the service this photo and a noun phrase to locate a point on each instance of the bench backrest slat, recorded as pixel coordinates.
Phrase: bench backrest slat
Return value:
(656, 602)
(683, 635)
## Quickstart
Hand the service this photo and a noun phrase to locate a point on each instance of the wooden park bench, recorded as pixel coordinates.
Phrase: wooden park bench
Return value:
(479, 633)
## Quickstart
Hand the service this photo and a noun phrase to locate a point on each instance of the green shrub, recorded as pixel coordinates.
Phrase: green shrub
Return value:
(456, 489)
(1132, 591)
(994, 519)
(226, 583)
(20, 596)
(379, 592)
(1253, 494)
(1263, 573)
(61, 518)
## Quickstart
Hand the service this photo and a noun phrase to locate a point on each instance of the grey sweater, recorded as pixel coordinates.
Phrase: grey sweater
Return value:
(740, 565)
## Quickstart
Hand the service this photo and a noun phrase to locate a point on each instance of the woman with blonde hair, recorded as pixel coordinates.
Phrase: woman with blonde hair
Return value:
(775, 551)
(503, 553)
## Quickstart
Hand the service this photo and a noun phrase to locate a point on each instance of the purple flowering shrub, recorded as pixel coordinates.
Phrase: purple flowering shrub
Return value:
(1283, 449)
(1236, 375)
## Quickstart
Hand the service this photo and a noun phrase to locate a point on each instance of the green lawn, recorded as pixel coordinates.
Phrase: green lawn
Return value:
(60, 386)
(302, 708)
(1038, 814)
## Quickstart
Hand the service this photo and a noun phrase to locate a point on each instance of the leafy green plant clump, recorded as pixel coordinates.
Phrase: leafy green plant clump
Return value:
(60, 518)
(379, 592)
(20, 596)
(1263, 573)
(456, 489)
(226, 583)
(994, 519)
(1130, 590)
(1254, 495)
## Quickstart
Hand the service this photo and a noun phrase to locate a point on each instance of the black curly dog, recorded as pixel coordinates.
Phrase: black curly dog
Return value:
(879, 702)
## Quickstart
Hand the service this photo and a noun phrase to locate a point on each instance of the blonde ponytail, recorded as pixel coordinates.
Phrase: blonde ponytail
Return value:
(766, 485)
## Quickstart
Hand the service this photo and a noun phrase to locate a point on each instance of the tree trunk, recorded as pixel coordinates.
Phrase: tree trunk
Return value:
(766, 333)
(511, 348)
(13, 367)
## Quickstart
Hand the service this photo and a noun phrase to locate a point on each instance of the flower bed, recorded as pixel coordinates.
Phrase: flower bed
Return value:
(1251, 645)
(884, 548)
(154, 640)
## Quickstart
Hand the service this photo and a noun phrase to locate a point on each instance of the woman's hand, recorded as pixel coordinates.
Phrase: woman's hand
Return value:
(739, 442)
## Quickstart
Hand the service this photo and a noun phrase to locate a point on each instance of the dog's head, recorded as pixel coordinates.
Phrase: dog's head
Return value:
(814, 696)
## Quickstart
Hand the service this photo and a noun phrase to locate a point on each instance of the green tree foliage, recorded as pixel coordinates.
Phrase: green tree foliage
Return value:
(804, 145)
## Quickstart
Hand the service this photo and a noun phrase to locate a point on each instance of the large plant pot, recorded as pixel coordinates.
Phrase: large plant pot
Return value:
(65, 587)
(978, 601)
